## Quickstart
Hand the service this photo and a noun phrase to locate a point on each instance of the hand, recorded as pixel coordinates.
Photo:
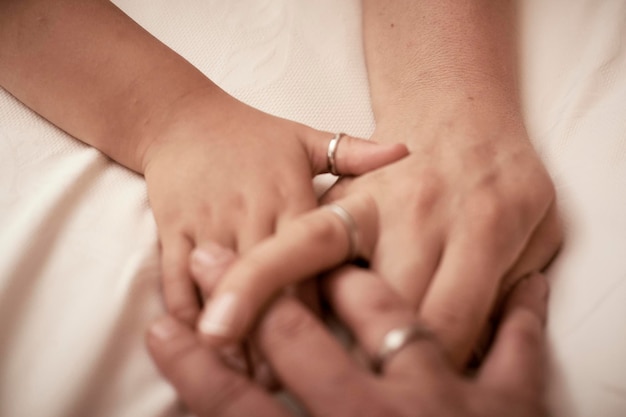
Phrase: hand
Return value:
(417, 381)
(224, 172)
(469, 212)
(473, 208)
(487, 250)
(312, 243)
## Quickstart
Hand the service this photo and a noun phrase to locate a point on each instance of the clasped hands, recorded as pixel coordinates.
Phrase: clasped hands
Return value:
(448, 229)
(417, 381)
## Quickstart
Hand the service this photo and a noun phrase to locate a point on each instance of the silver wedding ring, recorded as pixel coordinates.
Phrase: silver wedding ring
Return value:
(397, 339)
(330, 153)
(351, 228)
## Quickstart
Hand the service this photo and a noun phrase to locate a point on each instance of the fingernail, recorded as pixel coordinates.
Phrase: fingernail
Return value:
(537, 285)
(221, 316)
(208, 261)
(210, 254)
(164, 328)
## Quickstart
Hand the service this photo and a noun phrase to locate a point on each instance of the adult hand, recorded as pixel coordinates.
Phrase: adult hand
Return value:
(221, 171)
(417, 380)
(451, 226)
(469, 212)
(473, 209)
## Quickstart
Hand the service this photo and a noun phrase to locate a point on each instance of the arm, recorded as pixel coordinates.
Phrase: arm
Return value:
(89, 69)
(435, 62)
(453, 225)
(472, 209)
(95, 73)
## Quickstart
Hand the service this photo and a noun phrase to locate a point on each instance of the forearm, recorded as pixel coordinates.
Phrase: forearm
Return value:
(88, 68)
(428, 60)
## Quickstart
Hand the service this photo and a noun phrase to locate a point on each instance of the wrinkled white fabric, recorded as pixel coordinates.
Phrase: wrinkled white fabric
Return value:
(79, 272)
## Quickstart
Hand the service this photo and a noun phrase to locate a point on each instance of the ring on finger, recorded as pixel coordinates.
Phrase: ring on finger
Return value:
(351, 228)
(330, 153)
(397, 339)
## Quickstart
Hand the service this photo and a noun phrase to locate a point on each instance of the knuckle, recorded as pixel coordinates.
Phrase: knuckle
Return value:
(536, 201)
(486, 209)
(230, 392)
(380, 304)
(204, 209)
(543, 187)
(180, 301)
(238, 204)
(453, 322)
(423, 196)
(182, 351)
(168, 217)
(525, 332)
(496, 222)
(184, 312)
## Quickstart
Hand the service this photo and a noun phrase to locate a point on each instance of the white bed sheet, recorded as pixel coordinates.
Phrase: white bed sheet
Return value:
(78, 251)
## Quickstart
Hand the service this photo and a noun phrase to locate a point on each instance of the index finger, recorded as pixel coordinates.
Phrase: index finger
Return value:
(309, 245)
(310, 362)
(203, 382)
(516, 361)
(371, 309)
(464, 289)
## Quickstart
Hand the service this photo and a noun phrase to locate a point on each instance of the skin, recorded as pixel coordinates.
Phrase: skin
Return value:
(418, 380)
(445, 87)
(472, 209)
(216, 169)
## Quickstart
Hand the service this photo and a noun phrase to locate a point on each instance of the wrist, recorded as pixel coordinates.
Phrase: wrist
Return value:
(206, 104)
(473, 114)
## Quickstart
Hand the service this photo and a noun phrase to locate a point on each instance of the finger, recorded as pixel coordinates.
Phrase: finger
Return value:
(309, 361)
(540, 249)
(463, 292)
(201, 380)
(353, 156)
(301, 200)
(315, 242)
(208, 264)
(370, 308)
(516, 361)
(308, 295)
(179, 291)
(407, 257)
(259, 221)
(410, 246)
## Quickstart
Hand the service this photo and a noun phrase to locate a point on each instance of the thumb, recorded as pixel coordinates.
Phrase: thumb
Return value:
(203, 383)
(352, 156)
(516, 361)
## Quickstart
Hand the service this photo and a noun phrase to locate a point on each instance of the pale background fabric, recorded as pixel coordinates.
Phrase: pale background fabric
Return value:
(79, 265)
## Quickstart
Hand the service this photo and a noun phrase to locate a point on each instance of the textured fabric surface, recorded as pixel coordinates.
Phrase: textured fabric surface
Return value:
(79, 258)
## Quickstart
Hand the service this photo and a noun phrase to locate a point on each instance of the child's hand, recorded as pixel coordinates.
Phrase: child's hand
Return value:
(230, 174)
